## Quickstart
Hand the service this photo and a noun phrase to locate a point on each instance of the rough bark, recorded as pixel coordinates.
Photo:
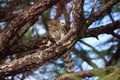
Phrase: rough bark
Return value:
(21, 19)
(42, 57)
(93, 32)
(39, 58)
(89, 73)
(25, 47)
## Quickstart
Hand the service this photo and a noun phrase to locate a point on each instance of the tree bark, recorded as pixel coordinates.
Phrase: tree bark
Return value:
(21, 19)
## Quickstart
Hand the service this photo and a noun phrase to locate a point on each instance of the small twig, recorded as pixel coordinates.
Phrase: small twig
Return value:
(115, 35)
(112, 19)
(99, 53)
(93, 7)
(85, 58)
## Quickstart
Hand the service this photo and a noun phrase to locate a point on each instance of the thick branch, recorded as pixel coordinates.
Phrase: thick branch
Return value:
(106, 29)
(81, 10)
(22, 31)
(39, 43)
(22, 18)
(36, 44)
(77, 11)
(105, 7)
(40, 57)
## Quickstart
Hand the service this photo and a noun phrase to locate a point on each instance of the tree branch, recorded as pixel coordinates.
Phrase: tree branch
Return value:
(77, 12)
(89, 73)
(108, 29)
(42, 57)
(93, 6)
(115, 57)
(53, 52)
(21, 32)
(8, 11)
(23, 47)
(85, 58)
(81, 10)
(98, 13)
(22, 18)
(98, 53)
(115, 35)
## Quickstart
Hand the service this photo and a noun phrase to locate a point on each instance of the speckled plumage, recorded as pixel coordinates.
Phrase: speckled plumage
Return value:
(57, 31)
